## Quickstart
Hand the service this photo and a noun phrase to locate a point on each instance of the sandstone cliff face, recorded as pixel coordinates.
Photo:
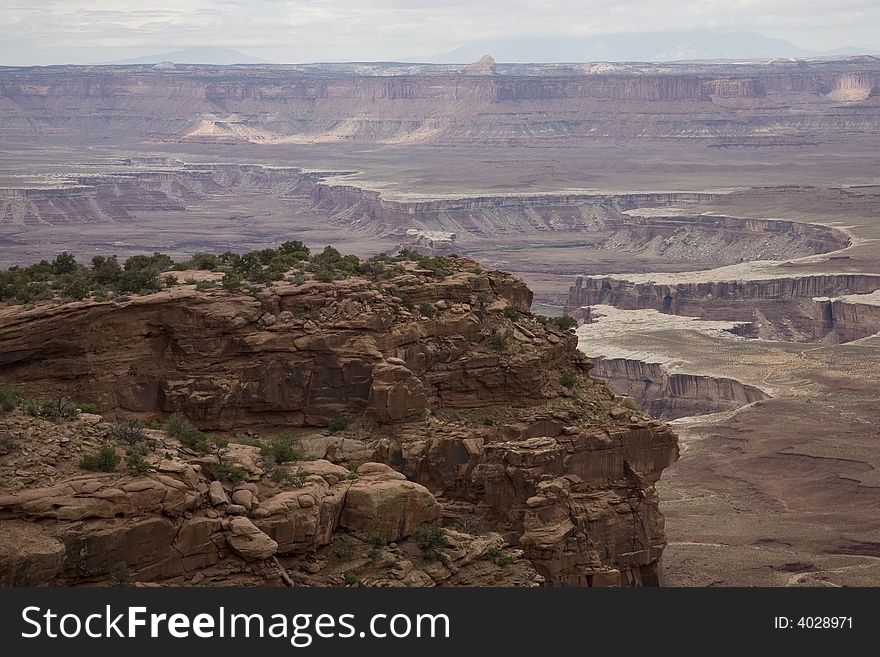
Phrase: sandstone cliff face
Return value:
(784, 303)
(467, 406)
(271, 105)
(672, 395)
(847, 318)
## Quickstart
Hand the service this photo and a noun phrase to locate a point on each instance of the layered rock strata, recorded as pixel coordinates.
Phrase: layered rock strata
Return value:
(487, 416)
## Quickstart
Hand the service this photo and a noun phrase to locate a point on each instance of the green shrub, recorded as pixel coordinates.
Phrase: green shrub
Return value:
(338, 423)
(564, 323)
(56, 409)
(231, 281)
(7, 443)
(104, 460)
(488, 421)
(282, 450)
(511, 313)
(426, 309)
(177, 424)
(431, 539)
(377, 540)
(134, 459)
(169, 280)
(203, 286)
(344, 549)
(298, 278)
(284, 478)
(568, 378)
(195, 440)
(325, 275)
(88, 408)
(350, 578)
(496, 555)
(10, 396)
(229, 473)
(498, 342)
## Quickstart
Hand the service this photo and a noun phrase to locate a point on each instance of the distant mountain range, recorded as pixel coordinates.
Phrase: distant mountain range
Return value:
(198, 55)
(634, 47)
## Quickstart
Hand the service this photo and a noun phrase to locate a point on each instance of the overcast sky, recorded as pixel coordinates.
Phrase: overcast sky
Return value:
(287, 31)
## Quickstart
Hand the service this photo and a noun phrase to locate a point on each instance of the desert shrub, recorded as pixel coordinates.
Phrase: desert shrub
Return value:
(7, 443)
(338, 423)
(511, 313)
(131, 432)
(229, 473)
(431, 539)
(104, 460)
(231, 281)
(325, 275)
(203, 286)
(204, 261)
(498, 342)
(344, 549)
(88, 408)
(426, 309)
(176, 424)
(169, 280)
(407, 301)
(377, 540)
(121, 574)
(134, 459)
(482, 299)
(298, 278)
(350, 578)
(488, 421)
(194, 439)
(56, 409)
(64, 263)
(296, 479)
(564, 323)
(568, 378)
(10, 396)
(496, 555)
(281, 450)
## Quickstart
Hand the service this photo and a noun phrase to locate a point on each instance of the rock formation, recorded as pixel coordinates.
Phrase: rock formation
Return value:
(414, 399)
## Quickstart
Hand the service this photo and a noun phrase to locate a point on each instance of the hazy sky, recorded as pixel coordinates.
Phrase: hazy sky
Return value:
(77, 31)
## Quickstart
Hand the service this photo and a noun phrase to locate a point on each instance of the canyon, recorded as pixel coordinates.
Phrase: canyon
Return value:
(711, 225)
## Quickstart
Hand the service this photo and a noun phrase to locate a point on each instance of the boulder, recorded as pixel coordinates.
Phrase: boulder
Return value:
(382, 501)
(248, 542)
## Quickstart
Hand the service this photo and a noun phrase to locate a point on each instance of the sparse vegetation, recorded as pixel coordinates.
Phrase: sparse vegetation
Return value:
(10, 396)
(377, 540)
(134, 459)
(121, 574)
(7, 443)
(426, 310)
(104, 460)
(431, 539)
(350, 578)
(131, 432)
(497, 556)
(488, 421)
(344, 549)
(568, 378)
(296, 479)
(338, 423)
(511, 313)
(282, 450)
(498, 342)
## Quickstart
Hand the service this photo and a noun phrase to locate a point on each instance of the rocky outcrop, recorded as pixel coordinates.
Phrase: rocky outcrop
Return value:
(783, 303)
(847, 318)
(670, 395)
(455, 410)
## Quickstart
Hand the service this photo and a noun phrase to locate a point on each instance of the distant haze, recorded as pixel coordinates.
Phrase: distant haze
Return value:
(288, 31)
